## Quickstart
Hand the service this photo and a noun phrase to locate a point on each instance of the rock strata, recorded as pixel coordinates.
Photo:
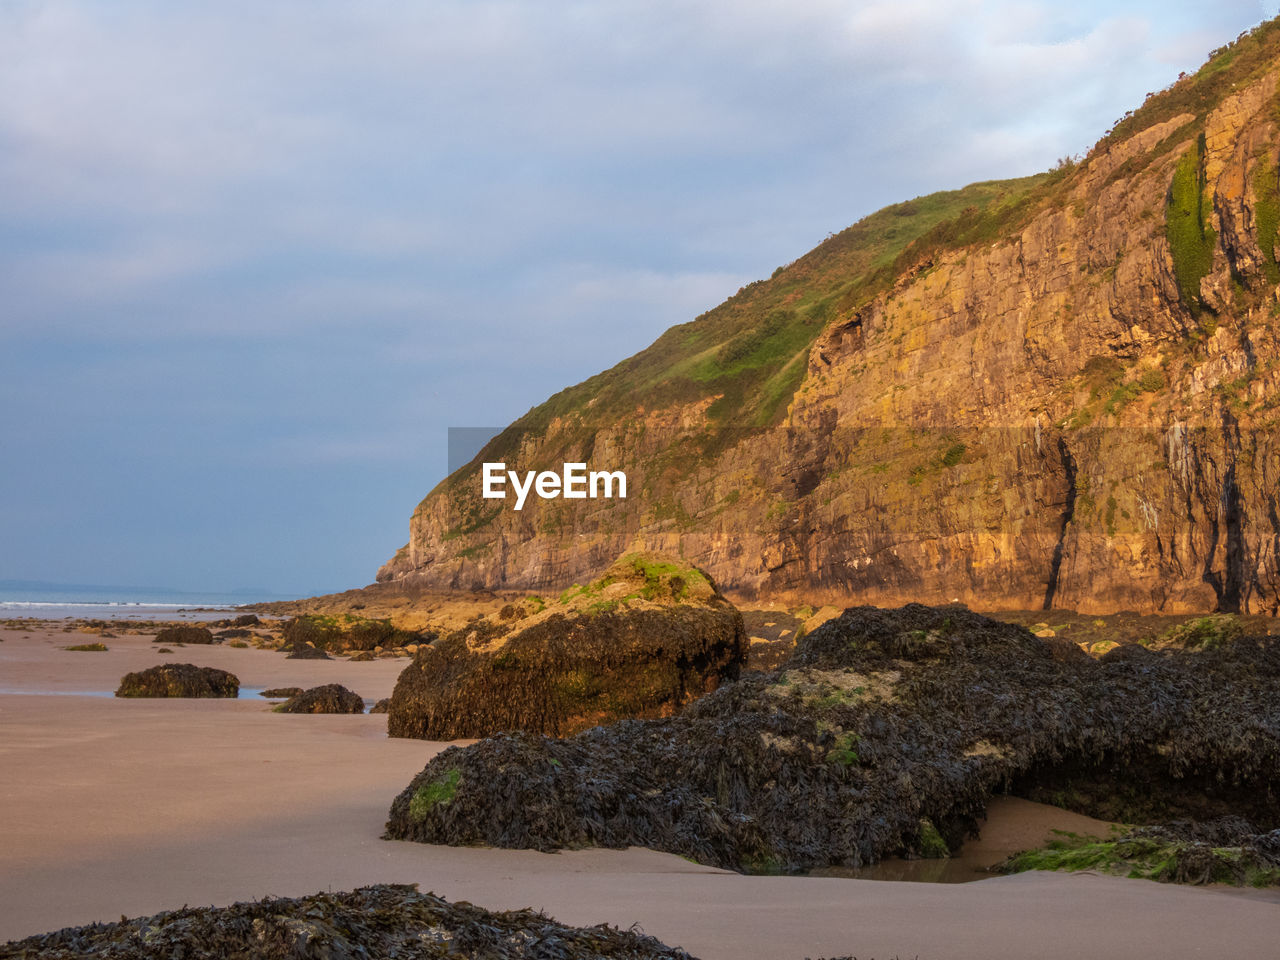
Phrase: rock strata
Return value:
(647, 637)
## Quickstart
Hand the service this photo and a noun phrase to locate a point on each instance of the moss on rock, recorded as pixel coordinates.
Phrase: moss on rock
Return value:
(644, 639)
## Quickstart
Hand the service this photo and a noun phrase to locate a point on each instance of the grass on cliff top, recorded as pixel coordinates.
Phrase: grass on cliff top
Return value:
(1227, 68)
(752, 350)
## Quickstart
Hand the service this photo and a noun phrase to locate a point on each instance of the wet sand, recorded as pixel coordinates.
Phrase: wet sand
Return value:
(114, 807)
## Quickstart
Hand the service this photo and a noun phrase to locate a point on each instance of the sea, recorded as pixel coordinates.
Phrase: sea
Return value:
(43, 601)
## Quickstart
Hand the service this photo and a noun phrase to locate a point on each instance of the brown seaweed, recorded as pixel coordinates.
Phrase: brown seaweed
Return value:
(885, 726)
(179, 680)
(383, 922)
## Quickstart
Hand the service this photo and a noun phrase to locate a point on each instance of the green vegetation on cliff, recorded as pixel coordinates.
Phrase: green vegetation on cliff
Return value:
(1227, 68)
(1191, 240)
(1266, 191)
(751, 351)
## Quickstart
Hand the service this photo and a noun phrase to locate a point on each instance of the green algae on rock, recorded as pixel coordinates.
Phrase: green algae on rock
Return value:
(885, 734)
(646, 638)
(391, 921)
(1227, 850)
(179, 680)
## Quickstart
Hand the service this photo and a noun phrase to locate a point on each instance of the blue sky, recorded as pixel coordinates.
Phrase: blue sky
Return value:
(255, 259)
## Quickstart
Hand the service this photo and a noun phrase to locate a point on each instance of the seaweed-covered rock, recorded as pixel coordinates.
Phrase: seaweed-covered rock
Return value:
(382, 706)
(882, 722)
(315, 631)
(646, 638)
(302, 651)
(184, 633)
(276, 693)
(349, 634)
(394, 922)
(329, 698)
(179, 680)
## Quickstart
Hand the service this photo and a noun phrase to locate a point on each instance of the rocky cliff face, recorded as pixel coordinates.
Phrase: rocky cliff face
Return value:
(1066, 398)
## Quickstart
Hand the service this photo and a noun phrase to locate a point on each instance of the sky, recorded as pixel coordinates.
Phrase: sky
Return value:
(256, 259)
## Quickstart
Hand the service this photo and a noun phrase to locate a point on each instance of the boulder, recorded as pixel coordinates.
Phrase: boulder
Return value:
(302, 651)
(382, 706)
(330, 698)
(348, 634)
(377, 921)
(179, 680)
(184, 633)
(276, 693)
(647, 637)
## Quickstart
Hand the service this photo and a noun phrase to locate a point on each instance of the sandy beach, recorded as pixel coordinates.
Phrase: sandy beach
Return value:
(127, 807)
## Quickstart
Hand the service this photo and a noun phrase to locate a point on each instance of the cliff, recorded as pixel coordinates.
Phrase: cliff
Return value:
(1058, 391)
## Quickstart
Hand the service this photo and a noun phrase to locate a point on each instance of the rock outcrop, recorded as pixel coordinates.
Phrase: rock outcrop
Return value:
(643, 640)
(179, 680)
(885, 734)
(1064, 395)
(184, 633)
(329, 698)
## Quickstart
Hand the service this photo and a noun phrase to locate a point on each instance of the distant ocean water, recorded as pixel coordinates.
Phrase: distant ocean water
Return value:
(55, 602)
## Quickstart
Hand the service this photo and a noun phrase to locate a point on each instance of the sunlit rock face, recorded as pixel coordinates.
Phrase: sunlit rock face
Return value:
(642, 640)
(1062, 394)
